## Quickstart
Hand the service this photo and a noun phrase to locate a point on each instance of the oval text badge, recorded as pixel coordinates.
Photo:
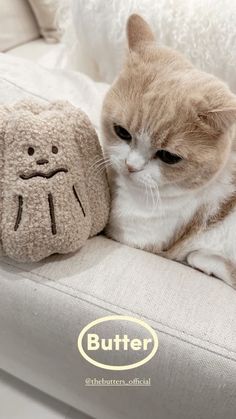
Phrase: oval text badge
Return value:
(95, 343)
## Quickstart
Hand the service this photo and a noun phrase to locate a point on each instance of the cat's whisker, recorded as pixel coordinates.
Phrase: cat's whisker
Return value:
(97, 163)
(146, 194)
(158, 198)
(102, 163)
(154, 192)
(116, 162)
(154, 207)
(101, 169)
(151, 193)
(150, 188)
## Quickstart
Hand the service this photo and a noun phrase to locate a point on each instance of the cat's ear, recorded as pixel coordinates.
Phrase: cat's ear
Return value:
(220, 119)
(138, 31)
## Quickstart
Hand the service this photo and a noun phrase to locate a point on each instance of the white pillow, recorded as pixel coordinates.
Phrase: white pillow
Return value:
(46, 12)
(17, 24)
(204, 30)
(20, 79)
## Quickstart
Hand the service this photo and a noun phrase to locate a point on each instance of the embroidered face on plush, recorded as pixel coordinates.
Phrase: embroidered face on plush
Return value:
(41, 151)
(164, 121)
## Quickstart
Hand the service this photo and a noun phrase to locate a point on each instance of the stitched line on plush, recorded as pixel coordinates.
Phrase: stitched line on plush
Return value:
(52, 214)
(44, 175)
(19, 212)
(77, 197)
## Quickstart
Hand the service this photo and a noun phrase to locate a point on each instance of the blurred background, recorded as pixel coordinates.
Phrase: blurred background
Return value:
(89, 36)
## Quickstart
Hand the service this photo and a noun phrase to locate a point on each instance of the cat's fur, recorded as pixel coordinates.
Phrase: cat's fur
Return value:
(185, 211)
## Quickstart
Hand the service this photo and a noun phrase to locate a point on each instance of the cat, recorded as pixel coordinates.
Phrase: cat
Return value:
(169, 135)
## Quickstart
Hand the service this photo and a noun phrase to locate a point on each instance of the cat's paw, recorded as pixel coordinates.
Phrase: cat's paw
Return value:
(214, 265)
(197, 260)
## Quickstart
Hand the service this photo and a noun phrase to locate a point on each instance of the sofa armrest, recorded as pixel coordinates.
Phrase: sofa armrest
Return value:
(43, 308)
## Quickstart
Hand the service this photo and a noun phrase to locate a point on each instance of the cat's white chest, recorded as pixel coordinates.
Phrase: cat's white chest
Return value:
(143, 221)
(140, 220)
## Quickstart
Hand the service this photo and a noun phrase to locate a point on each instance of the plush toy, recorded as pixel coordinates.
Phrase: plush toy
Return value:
(52, 197)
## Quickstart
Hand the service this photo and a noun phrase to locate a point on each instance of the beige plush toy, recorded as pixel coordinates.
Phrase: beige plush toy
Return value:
(52, 196)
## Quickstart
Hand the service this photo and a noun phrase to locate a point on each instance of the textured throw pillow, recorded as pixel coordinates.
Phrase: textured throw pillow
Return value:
(17, 24)
(46, 12)
(204, 30)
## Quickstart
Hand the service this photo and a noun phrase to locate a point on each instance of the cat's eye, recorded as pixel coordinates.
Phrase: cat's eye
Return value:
(54, 149)
(30, 151)
(167, 157)
(122, 133)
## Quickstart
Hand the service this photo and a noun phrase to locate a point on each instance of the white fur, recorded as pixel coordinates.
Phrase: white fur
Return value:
(144, 214)
(204, 30)
(210, 264)
(141, 219)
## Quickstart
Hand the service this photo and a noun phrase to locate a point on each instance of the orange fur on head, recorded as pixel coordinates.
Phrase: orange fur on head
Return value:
(167, 104)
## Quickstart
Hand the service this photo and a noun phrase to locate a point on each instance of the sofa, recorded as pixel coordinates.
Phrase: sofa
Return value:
(45, 305)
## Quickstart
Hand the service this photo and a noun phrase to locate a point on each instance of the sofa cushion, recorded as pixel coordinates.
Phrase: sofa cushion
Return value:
(44, 306)
(31, 401)
(46, 12)
(39, 51)
(17, 23)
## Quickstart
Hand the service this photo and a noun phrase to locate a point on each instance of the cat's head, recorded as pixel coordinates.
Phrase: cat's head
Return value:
(165, 122)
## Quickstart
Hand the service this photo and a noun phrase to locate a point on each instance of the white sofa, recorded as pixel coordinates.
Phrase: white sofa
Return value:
(44, 306)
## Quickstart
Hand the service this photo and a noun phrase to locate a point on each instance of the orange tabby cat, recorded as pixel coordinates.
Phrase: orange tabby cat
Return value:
(169, 132)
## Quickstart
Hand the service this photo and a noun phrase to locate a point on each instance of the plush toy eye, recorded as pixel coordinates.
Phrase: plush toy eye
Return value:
(30, 151)
(54, 149)
(167, 157)
(122, 133)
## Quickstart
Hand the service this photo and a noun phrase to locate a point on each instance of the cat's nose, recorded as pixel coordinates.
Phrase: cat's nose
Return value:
(42, 161)
(131, 168)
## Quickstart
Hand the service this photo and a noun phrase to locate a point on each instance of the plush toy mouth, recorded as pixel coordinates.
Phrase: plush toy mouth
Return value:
(43, 175)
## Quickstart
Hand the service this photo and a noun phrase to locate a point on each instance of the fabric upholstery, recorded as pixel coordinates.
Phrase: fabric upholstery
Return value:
(21, 401)
(44, 306)
(49, 55)
(17, 24)
(45, 12)
(198, 28)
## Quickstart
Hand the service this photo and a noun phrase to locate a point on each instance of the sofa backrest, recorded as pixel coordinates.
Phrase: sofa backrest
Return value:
(46, 14)
(22, 21)
(17, 24)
